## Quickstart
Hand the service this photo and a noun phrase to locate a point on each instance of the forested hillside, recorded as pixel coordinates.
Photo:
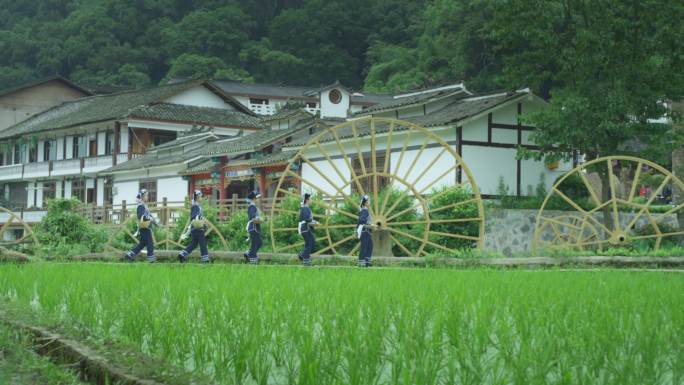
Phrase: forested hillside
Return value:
(376, 45)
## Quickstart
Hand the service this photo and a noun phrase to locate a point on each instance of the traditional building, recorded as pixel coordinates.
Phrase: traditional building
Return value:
(333, 101)
(485, 130)
(20, 103)
(59, 152)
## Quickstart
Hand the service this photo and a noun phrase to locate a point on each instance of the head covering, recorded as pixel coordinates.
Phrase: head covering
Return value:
(307, 196)
(364, 199)
(196, 194)
(140, 195)
(253, 195)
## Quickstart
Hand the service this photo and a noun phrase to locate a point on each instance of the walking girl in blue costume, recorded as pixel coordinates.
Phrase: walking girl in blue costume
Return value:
(305, 229)
(363, 232)
(145, 223)
(197, 228)
(253, 228)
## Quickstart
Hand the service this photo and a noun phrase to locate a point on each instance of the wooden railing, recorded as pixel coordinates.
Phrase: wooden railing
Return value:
(166, 211)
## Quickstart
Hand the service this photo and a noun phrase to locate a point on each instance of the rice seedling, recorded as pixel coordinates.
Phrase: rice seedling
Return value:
(279, 325)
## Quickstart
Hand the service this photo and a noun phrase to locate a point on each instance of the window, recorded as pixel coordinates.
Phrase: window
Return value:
(367, 181)
(2, 158)
(78, 189)
(311, 105)
(159, 138)
(108, 194)
(49, 150)
(32, 153)
(92, 147)
(109, 143)
(151, 187)
(335, 96)
(23, 153)
(17, 154)
(258, 101)
(80, 149)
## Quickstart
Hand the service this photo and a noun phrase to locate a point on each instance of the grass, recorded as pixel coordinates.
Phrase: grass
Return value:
(279, 325)
(19, 365)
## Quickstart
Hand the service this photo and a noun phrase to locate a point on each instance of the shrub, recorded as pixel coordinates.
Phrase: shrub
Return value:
(63, 231)
(452, 195)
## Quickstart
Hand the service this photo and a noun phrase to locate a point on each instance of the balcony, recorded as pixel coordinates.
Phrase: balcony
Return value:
(263, 109)
(66, 167)
(96, 164)
(14, 171)
(36, 170)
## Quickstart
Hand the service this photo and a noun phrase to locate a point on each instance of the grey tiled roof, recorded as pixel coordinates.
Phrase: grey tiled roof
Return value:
(458, 110)
(289, 92)
(38, 82)
(205, 116)
(410, 100)
(250, 142)
(285, 114)
(101, 108)
(266, 160)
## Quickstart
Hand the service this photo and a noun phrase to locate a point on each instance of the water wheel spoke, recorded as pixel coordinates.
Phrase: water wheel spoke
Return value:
(322, 203)
(292, 246)
(348, 162)
(321, 173)
(453, 205)
(407, 138)
(592, 193)
(452, 235)
(578, 208)
(635, 182)
(442, 175)
(401, 246)
(332, 245)
(658, 235)
(5, 226)
(285, 229)
(648, 203)
(558, 222)
(424, 241)
(355, 248)
(613, 195)
(374, 164)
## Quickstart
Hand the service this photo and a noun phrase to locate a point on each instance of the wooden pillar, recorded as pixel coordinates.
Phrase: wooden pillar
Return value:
(124, 212)
(262, 183)
(222, 179)
(165, 212)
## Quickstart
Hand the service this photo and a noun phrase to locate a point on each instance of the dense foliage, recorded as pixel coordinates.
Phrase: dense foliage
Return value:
(64, 231)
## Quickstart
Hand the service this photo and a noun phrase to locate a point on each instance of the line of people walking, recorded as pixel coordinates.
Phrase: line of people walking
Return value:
(198, 227)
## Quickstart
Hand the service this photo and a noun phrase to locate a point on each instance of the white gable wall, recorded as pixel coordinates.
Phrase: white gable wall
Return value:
(199, 96)
(330, 110)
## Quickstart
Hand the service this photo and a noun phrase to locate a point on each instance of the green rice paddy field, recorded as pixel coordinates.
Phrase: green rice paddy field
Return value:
(282, 325)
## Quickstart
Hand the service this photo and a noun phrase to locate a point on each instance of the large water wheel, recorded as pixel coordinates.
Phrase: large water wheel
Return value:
(13, 222)
(423, 197)
(613, 201)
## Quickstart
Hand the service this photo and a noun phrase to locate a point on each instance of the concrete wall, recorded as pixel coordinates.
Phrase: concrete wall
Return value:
(330, 110)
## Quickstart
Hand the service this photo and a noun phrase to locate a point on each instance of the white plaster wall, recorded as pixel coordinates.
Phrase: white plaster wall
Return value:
(58, 189)
(123, 140)
(487, 164)
(69, 147)
(476, 130)
(330, 110)
(67, 189)
(314, 177)
(173, 189)
(39, 194)
(500, 135)
(507, 114)
(100, 192)
(125, 191)
(199, 96)
(41, 150)
(425, 172)
(60, 148)
(101, 138)
(30, 186)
